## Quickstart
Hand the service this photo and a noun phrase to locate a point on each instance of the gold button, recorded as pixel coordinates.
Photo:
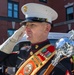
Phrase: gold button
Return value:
(31, 53)
(36, 46)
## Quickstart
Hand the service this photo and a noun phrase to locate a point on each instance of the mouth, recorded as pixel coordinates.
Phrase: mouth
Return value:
(29, 36)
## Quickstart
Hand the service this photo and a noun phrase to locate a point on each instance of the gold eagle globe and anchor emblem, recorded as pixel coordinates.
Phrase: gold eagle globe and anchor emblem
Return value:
(25, 8)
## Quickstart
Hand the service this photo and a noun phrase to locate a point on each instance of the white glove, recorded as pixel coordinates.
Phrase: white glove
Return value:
(9, 44)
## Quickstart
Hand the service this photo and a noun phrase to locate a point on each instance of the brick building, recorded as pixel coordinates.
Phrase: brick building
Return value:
(11, 15)
(65, 9)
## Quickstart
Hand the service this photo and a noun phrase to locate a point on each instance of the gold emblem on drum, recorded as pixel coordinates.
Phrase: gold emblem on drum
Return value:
(28, 69)
(25, 8)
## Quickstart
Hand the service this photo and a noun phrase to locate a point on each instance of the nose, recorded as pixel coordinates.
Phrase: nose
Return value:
(27, 28)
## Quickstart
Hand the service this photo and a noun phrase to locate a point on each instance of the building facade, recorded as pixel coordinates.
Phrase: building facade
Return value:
(11, 15)
(65, 9)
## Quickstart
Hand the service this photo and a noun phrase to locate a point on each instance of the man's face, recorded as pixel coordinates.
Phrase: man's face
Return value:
(36, 31)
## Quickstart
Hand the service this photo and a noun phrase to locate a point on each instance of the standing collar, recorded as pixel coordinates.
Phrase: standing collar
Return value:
(39, 45)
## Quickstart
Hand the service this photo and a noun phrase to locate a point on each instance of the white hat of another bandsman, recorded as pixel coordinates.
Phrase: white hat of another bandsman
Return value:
(38, 13)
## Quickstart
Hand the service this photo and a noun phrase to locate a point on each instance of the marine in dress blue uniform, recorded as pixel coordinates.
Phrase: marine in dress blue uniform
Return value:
(33, 13)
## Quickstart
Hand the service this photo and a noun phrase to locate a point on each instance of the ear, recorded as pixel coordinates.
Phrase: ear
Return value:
(48, 27)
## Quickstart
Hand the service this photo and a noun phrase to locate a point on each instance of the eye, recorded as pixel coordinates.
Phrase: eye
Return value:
(32, 25)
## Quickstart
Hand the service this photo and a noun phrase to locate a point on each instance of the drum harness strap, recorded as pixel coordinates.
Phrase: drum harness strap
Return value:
(32, 65)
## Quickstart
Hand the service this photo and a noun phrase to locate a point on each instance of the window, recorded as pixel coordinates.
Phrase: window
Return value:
(45, 1)
(69, 13)
(10, 32)
(12, 9)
